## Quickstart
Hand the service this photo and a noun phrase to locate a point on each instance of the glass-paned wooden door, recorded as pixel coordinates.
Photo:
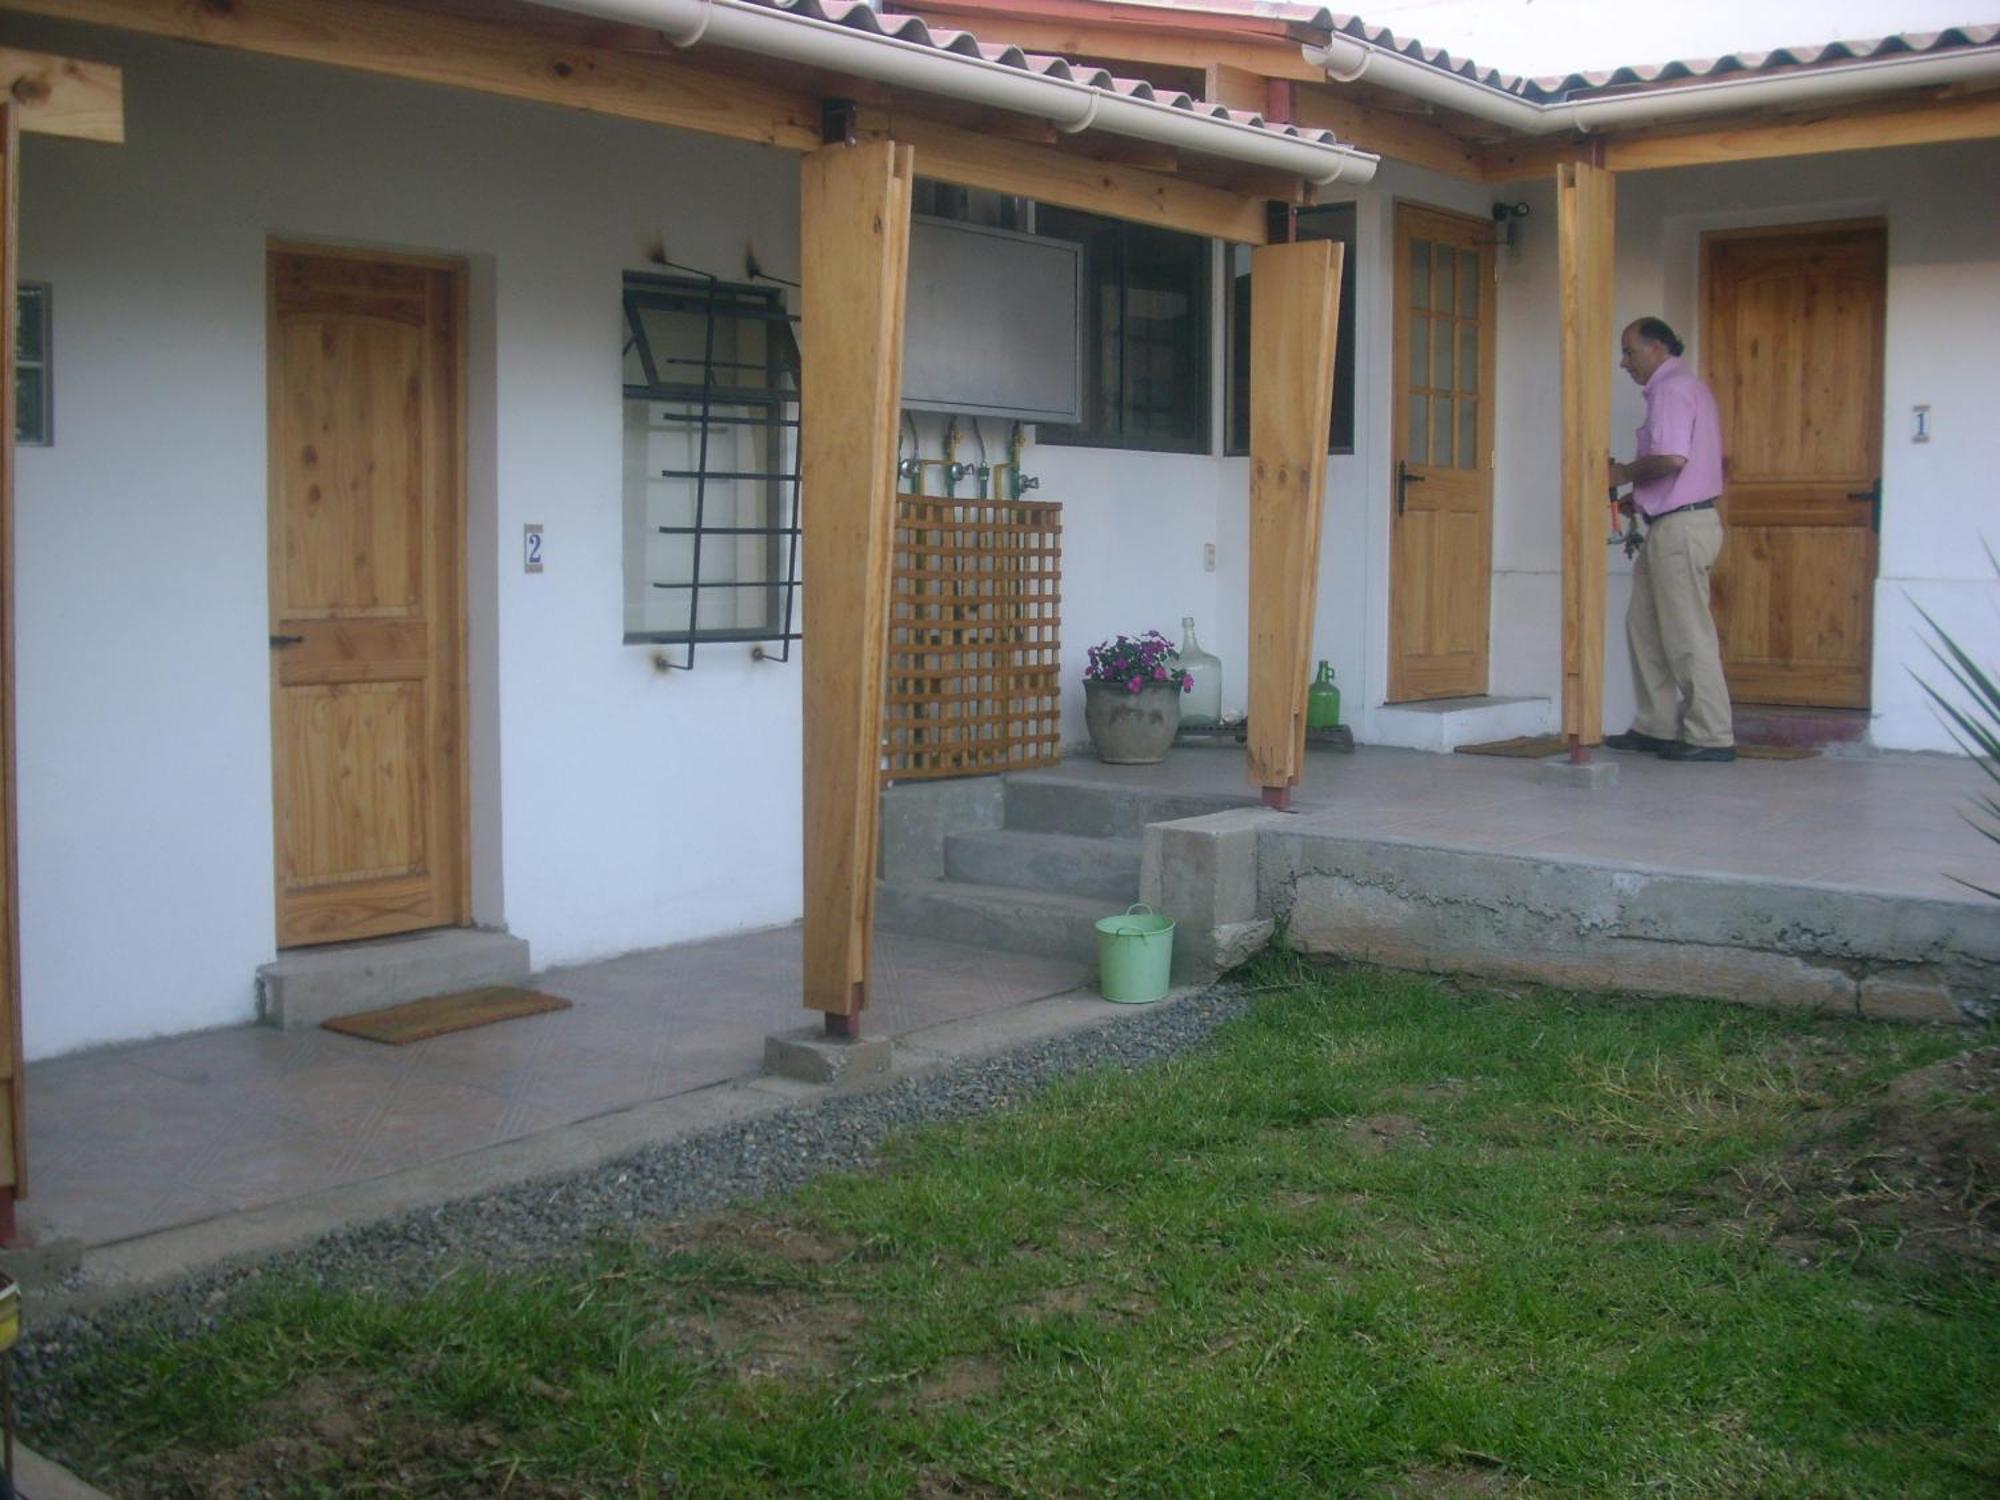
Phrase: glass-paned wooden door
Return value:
(1441, 495)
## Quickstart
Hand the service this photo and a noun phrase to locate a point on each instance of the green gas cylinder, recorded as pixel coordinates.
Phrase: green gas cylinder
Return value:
(1323, 701)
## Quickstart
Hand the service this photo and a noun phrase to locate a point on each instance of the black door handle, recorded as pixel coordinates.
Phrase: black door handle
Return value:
(1404, 479)
(1873, 495)
(287, 640)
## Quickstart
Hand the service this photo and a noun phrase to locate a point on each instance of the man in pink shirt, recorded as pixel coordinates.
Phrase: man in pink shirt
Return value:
(1683, 711)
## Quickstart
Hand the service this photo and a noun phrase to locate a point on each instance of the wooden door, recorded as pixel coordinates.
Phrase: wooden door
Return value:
(1792, 345)
(1441, 483)
(366, 446)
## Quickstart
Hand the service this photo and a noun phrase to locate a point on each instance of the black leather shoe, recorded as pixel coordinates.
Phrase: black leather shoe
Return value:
(1631, 739)
(1719, 753)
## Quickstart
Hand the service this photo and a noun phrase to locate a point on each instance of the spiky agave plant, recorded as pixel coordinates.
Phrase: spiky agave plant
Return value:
(1975, 724)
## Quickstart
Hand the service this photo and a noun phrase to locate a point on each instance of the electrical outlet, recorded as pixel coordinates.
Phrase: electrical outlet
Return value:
(1208, 557)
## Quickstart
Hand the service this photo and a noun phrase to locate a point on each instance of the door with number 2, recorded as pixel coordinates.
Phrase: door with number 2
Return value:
(367, 608)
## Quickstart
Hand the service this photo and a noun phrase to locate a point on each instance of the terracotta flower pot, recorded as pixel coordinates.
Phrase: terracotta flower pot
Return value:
(1128, 728)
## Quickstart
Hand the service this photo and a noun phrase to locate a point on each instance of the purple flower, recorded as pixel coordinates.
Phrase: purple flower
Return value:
(1136, 683)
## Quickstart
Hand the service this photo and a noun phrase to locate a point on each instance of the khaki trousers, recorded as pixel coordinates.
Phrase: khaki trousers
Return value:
(1676, 658)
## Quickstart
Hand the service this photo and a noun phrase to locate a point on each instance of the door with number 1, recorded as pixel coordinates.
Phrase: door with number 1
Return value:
(1441, 482)
(367, 449)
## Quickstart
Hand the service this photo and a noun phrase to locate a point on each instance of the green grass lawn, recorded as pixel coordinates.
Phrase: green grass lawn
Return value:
(1385, 1236)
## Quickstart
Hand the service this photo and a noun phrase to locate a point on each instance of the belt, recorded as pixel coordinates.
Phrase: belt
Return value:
(1698, 505)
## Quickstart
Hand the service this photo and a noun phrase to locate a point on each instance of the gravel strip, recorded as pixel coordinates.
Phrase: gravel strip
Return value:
(553, 1219)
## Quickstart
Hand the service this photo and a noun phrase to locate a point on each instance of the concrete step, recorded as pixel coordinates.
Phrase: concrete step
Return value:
(309, 985)
(1087, 808)
(993, 916)
(1103, 869)
(1443, 724)
(1798, 728)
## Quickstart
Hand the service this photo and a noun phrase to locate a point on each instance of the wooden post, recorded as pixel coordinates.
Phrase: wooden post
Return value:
(855, 232)
(13, 1116)
(1586, 228)
(1294, 317)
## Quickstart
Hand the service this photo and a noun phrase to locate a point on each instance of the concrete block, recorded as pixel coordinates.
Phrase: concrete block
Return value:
(1203, 871)
(990, 916)
(1591, 776)
(308, 985)
(918, 816)
(811, 1056)
(1046, 802)
(1908, 997)
(42, 1262)
(1106, 870)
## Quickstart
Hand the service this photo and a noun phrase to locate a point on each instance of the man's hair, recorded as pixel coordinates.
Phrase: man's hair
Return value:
(1656, 331)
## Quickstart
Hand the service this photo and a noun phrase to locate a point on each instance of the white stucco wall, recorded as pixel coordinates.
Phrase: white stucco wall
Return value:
(613, 807)
(1943, 349)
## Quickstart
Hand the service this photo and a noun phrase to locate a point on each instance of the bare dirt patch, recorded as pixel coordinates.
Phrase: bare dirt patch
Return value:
(1375, 1134)
(1448, 1480)
(1915, 1169)
(330, 1436)
(962, 1381)
(765, 1336)
(737, 1232)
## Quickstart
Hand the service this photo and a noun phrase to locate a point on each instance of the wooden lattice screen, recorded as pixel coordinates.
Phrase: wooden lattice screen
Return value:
(975, 625)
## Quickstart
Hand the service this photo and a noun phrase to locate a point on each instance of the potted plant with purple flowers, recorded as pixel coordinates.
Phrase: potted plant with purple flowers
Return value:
(1132, 688)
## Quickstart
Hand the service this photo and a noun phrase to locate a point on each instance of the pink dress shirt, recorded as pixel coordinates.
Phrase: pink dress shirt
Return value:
(1681, 419)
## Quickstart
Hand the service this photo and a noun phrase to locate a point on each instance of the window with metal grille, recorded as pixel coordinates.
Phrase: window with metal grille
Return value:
(711, 463)
(1145, 335)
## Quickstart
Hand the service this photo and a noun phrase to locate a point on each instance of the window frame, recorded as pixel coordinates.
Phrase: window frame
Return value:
(1198, 349)
(780, 393)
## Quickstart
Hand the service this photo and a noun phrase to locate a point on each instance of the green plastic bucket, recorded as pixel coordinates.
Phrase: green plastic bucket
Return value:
(1135, 955)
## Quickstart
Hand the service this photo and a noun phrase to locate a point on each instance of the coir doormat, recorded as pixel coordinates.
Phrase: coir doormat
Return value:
(399, 1025)
(1540, 746)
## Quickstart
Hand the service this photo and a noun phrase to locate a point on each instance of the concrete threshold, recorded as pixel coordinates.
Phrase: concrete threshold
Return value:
(131, 1267)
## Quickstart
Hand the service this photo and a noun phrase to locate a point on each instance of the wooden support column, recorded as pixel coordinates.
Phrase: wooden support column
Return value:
(1294, 317)
(855, 232)
(13, 1119)
(1586, 207)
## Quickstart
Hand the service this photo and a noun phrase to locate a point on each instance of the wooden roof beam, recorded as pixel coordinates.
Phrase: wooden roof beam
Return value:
(1938, 120)
(62, 96)
(457, 51)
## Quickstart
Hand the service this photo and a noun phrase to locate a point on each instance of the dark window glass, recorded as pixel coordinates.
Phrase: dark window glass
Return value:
(31, 365)
(1145, 335)
(1332, 221)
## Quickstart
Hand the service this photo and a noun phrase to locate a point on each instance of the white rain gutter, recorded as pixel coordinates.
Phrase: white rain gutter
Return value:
(1068, 105)
(1346, 59)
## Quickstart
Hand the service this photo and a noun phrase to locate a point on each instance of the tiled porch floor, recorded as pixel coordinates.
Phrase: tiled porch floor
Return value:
(1889, 823)
(130, 1139)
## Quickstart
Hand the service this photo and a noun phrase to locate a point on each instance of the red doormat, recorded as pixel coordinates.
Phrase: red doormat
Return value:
(399, 1025)
(1541, 746)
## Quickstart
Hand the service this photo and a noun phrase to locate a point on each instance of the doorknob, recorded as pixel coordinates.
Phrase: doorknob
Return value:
(1404, 479)
(287, 640)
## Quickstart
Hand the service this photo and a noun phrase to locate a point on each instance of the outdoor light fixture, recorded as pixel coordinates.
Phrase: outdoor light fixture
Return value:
(1504, 215)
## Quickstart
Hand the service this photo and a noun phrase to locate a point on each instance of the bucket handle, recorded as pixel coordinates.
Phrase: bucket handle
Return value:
(1140, 907)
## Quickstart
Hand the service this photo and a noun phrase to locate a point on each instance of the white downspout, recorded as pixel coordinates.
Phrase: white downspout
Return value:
(1344, 58)
(1068, 105)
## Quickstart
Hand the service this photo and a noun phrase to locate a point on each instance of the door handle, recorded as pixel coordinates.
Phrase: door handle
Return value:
(1873, 495)
(287, 640)
(1404, 479)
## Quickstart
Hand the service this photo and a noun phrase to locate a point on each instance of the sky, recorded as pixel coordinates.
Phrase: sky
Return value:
(1561, 36)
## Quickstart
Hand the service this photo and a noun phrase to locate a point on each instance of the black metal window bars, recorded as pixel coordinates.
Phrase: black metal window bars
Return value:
(688, 336)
